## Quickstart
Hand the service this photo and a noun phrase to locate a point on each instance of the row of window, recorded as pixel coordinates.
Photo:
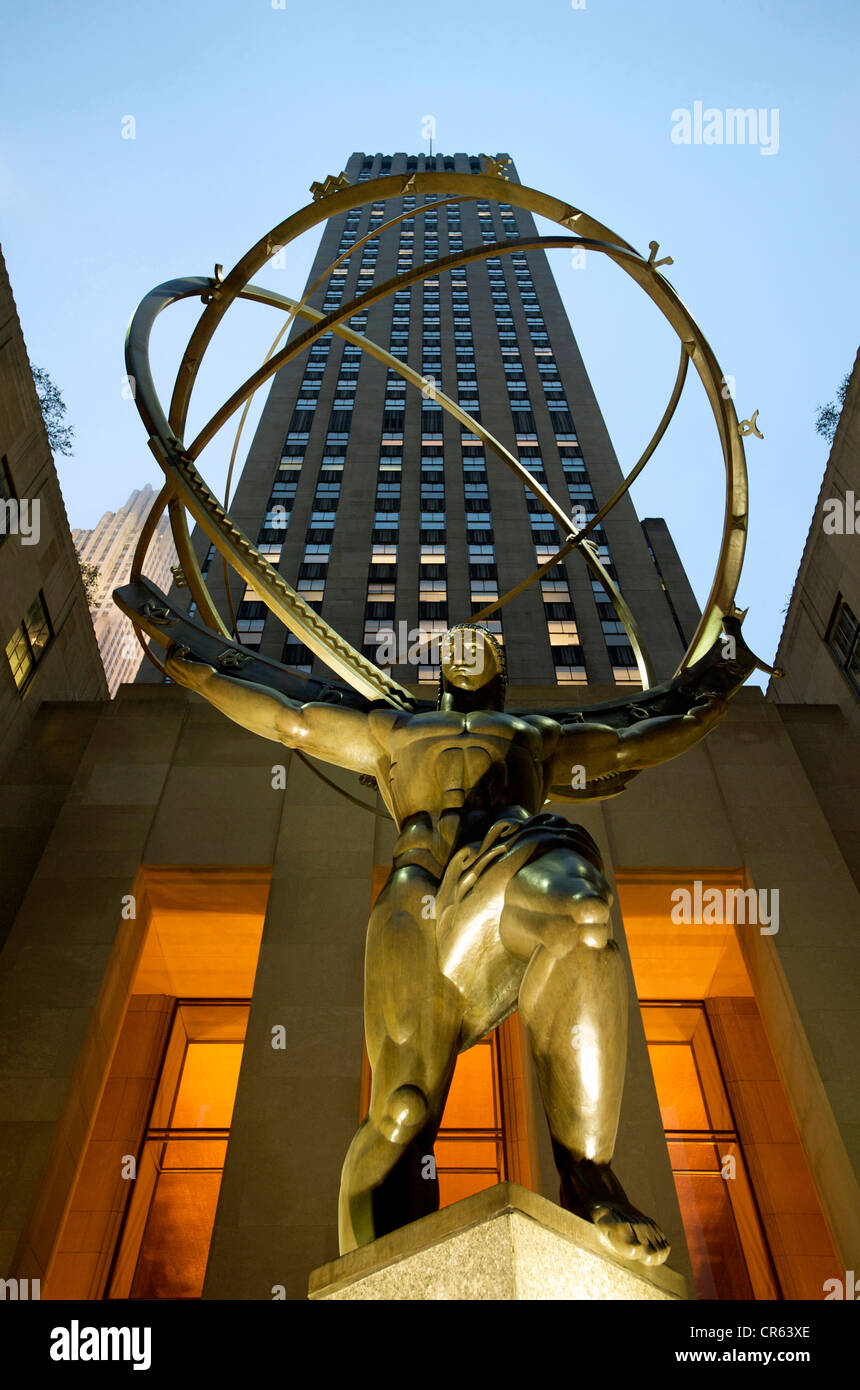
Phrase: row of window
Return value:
(436, 163)
(433, 594)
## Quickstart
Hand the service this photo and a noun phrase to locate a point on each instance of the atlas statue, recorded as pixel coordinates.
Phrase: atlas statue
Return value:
(493, 904)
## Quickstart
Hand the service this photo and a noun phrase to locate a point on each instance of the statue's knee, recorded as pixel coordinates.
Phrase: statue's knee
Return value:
(581, 921)
(405, 1115)
(593, 923)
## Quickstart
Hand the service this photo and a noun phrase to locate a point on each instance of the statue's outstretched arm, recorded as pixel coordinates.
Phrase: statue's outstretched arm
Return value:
(336, 735)
(657, 740)
(601, 749)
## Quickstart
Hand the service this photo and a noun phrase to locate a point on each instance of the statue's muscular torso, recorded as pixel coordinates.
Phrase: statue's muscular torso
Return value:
(449, 775)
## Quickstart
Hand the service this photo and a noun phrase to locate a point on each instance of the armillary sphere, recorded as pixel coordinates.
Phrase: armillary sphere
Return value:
(705, 665)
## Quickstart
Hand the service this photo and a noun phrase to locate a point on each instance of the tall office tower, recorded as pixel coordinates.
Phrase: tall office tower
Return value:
(388, 515)
(110, 546)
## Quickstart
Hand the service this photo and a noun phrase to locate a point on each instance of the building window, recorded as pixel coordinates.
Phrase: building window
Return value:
(313, 592)
(296, 654)
(312, 572)
(625, 670)
(470, 1147)
(843, 638)
(301, 423)
(382, 554)
(29, 642)
(721, 1220)
(168, 1225)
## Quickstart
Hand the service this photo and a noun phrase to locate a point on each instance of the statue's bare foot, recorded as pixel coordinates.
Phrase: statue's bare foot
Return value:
(592, 1191)
(629, 1234)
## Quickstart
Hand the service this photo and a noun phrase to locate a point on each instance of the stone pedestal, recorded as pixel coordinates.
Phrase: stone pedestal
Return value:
(503, 1243)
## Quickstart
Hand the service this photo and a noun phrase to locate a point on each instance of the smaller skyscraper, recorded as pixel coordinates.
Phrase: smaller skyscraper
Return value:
(110, 547)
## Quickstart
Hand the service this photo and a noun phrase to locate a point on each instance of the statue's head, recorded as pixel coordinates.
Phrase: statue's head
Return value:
(472, 669)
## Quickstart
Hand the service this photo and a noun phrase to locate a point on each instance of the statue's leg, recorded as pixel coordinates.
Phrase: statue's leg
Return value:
(412, 1018)
(573, 1001)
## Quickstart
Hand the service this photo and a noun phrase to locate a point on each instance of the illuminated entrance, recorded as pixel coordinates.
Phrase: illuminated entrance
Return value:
(140, 1220)
(752, 1217)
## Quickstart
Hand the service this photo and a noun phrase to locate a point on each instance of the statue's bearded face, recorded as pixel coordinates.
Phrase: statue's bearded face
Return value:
(467, 659)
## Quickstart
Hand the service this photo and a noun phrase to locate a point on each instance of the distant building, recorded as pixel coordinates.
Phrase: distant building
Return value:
(110, 546)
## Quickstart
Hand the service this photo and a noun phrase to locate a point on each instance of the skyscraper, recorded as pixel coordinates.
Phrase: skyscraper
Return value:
(388, 516)
(110, 546)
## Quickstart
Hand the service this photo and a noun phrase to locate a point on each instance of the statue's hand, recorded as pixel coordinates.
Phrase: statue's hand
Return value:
(185, 671)
(709, 710)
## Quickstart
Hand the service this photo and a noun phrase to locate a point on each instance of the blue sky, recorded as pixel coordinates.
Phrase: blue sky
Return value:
(239, 106)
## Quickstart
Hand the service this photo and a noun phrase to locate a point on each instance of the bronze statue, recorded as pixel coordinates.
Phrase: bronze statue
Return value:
(491, 905)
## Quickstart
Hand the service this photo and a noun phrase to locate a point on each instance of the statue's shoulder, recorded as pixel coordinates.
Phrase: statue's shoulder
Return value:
(382, 721)
(550, 728)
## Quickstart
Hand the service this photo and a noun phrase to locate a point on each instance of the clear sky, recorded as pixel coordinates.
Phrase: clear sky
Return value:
(240, 105)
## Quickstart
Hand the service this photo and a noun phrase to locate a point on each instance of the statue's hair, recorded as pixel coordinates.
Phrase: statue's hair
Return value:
(497, 650)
